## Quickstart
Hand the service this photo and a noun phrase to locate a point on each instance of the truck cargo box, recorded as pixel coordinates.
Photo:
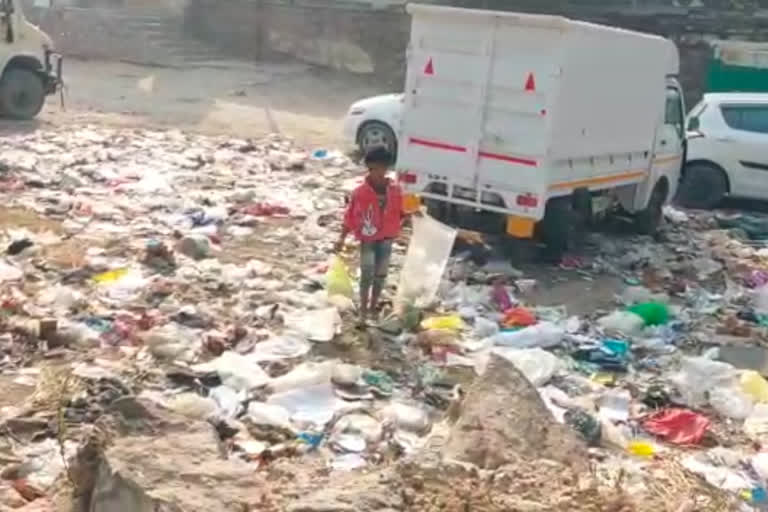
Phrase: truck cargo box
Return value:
(502, 105)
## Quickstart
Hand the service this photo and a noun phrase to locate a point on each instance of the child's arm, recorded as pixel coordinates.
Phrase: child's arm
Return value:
(346, 225)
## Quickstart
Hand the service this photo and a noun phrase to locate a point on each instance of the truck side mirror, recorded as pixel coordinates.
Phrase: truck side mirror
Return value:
(693, 124)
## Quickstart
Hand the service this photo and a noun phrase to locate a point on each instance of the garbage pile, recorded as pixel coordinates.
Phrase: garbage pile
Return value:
(175, 333)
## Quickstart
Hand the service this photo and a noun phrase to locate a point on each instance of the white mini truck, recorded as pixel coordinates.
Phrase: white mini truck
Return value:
(533, 123)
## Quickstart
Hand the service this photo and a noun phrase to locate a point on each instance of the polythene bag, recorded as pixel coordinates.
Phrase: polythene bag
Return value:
(337, 279)
(428, 252)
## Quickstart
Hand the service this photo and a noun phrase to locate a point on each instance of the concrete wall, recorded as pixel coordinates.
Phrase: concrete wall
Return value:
(355, 36)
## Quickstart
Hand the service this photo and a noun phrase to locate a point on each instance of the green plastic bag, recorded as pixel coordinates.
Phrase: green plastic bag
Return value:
(653, 313)
(337, 280)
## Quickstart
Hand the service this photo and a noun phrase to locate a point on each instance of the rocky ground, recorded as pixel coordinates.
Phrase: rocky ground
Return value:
(170, 340)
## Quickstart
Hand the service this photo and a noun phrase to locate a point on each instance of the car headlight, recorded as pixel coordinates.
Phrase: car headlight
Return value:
(357, 111)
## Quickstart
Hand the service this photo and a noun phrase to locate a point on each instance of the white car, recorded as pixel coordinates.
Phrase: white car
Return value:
(727, 149)
(374, 122)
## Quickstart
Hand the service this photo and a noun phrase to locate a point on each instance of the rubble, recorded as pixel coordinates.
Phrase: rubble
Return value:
(184, 339)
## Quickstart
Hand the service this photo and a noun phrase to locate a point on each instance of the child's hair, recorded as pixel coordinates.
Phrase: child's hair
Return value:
(379, 155)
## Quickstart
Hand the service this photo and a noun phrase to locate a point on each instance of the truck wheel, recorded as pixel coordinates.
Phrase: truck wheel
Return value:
(555, 228)
(703, 187)
(22, 94)
(647, 222)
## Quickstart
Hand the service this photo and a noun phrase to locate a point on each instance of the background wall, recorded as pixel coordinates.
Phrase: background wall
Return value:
(359, 36)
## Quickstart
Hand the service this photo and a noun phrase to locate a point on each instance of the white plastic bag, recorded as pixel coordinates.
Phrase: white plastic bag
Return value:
(428, 253)
(536, 364)
(236, 371)
(544, 335)
(699, 375)
(731, 402)
(623, 322)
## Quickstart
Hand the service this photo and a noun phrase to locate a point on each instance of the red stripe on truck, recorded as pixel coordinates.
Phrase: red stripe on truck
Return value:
(437, 145)
(510, 159)
(483, 154)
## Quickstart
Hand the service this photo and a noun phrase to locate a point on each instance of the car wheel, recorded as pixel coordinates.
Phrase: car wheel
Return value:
(703, 187)
(374, 134)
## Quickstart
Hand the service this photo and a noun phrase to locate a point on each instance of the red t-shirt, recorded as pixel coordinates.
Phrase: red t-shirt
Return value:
(367, 219)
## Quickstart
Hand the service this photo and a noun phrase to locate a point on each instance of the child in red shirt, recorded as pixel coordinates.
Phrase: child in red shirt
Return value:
(374, 216)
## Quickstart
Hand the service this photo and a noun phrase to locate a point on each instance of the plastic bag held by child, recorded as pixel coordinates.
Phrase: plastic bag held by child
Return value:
(337, 279)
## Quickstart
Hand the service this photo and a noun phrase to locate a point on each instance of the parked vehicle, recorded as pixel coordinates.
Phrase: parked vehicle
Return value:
(374, 122)
(30, 68)
(728, 149)
(534, 123)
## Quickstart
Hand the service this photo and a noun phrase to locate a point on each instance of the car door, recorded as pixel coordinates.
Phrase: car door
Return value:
(746, 142)
(670, 140)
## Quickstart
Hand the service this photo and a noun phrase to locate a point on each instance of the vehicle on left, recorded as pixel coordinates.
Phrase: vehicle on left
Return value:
(31, 70)
(374, 121)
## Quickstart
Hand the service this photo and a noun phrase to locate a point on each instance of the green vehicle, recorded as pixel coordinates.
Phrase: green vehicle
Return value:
(738, 66)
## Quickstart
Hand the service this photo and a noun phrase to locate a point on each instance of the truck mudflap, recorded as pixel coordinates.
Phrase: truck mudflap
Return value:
(52, 72)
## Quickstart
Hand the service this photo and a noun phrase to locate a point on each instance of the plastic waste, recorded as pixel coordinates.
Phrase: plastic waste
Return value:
(444, 323)
(368, 427)
(313, 406)
(172, 342)
(641, 448)
(425, 261)
(754, 385)
(544, 335)
(623, 322)
(538, 365)
(731, 402)
(320, 325)
(677, 426)
(236, 371)
(337, 279)
(614, 405)
(110, 276)
(228, 401)
(484, 328)
(652, 313)
(407, 417)
(44, 462)
(756, 424)
(262, 413)
(193, 406)
(699, 375)
(501, 297)
(195, 246)
(304, 375)
(519, 317)
(279, 348)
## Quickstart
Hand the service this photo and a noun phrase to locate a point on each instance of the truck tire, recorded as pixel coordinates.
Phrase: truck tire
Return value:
(647, 222)
(22, 94)
(555, 228)
(704, 186)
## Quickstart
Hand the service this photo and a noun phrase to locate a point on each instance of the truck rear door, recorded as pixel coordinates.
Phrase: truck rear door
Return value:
(476, 106)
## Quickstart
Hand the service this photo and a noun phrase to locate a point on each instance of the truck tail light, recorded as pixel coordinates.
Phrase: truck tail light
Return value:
(408, 178)
(527, 201)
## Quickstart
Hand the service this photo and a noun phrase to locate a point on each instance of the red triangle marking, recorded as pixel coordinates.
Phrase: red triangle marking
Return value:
(429, 69)
(530, 84)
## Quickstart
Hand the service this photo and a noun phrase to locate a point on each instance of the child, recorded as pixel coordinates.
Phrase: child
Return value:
(374, 216)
